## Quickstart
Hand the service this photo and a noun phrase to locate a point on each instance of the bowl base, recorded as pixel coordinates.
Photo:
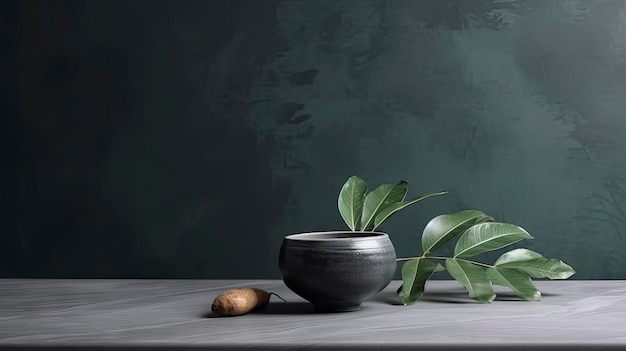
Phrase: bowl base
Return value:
(332, 308)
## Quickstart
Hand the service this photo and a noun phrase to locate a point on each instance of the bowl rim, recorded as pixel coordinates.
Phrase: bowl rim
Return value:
(349, 235)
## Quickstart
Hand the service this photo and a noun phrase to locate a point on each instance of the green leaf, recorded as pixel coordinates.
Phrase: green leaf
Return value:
(517, 255)
(350, 202)
(487, 237)
(415, 273)
(439, 268)
(473, 278)
(519, 282)
(443, 228)
(534, 264)
(386, 212)
(380, 198)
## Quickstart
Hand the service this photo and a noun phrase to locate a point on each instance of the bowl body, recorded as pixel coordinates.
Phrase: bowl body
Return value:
(337, 271)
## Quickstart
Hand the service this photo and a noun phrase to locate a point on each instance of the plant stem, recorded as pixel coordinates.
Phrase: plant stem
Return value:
(444, 258)
(408, 258)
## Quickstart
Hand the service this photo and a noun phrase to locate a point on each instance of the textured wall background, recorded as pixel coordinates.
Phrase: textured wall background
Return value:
(186, 138)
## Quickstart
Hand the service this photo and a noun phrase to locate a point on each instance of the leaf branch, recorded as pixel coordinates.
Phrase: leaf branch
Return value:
(477, 233)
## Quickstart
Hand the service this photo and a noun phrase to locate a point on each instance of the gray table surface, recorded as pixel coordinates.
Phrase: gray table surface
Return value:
(175, 315)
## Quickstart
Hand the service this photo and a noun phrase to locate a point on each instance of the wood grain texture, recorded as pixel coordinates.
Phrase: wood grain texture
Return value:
(175, 315)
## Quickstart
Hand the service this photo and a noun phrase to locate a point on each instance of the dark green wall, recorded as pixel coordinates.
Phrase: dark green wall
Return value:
(184, 139)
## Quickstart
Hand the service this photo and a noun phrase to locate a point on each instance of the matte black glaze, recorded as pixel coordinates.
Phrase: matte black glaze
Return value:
(337, 271)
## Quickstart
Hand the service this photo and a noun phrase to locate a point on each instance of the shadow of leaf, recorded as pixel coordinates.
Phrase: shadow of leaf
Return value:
(454, 295)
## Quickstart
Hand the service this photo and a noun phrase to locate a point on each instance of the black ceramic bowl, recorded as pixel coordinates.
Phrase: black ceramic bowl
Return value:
(337, 271)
